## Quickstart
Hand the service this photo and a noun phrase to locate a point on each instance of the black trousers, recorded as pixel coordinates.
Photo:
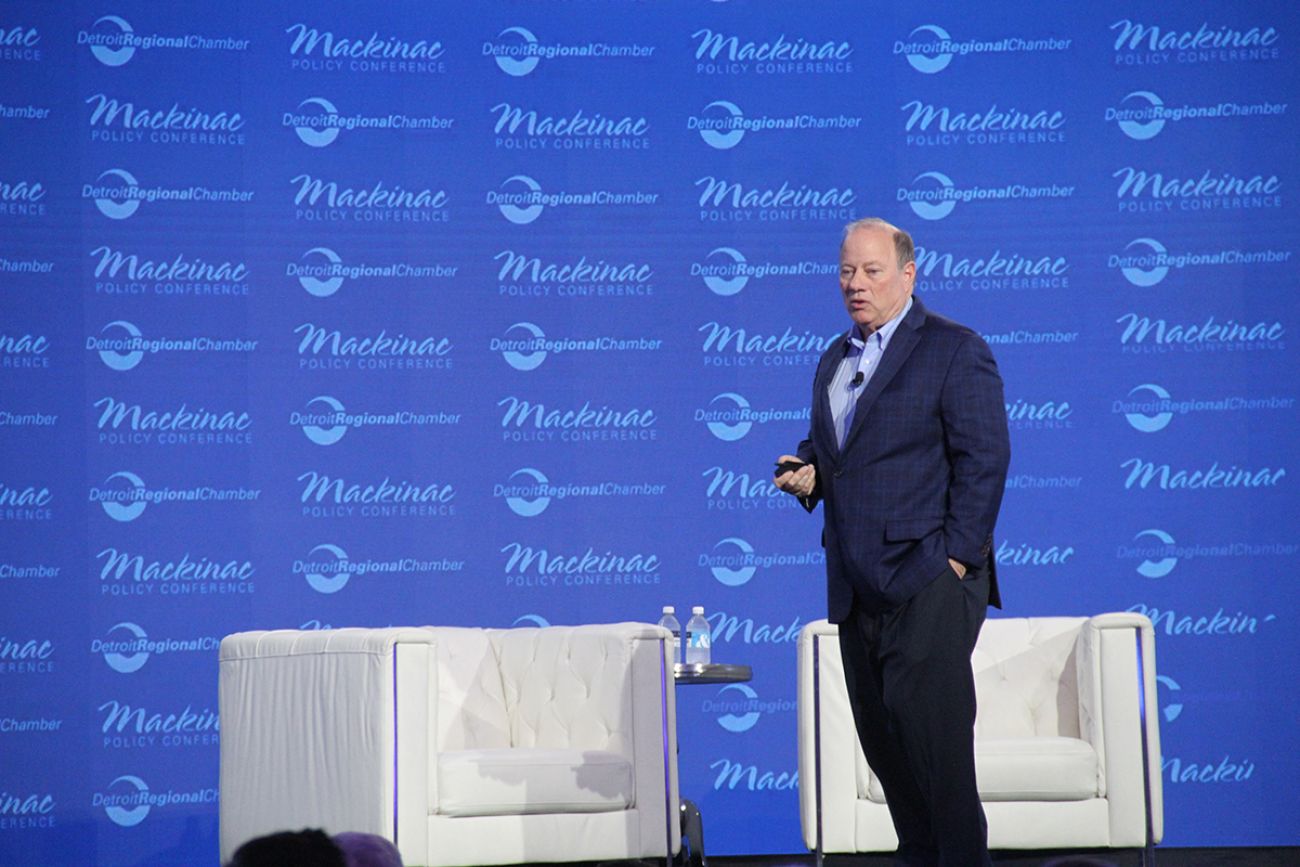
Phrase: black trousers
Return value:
(913, 696)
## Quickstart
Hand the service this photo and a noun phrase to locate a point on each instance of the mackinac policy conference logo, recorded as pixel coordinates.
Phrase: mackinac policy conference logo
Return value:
(527, 566)
(1153, 191)
(127, 121)
(22, 197)
(1139, 43)
(721, 53)
(20, 43)
(930, 124)
(726, 201)
(129, 573)
(326, 199)
(121, 423)
(522, 128)
(524, 276)
(126, 271)
(524, 420)
(312, 49)
(323, 348)
(26, 503)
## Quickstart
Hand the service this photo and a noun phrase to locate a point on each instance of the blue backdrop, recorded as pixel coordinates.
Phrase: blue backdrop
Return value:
(327, 314)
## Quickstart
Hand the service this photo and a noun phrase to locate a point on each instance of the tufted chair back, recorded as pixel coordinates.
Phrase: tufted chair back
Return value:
(560, 687)
(565, 688)
(1025, 675)
(471, 706)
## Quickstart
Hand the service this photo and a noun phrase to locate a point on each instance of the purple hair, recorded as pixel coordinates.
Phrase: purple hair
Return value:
(367, 850)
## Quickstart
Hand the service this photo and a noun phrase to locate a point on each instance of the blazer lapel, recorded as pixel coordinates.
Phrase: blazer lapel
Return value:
(900, 347)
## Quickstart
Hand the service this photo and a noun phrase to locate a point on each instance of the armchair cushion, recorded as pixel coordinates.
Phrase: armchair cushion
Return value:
(506, 782)
(1036, 769)
(1021, 769)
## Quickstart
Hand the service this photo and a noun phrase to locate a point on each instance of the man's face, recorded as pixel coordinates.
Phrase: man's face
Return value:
(875, 288)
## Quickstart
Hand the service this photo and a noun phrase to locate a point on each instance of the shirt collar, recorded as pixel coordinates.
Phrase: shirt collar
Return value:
(885, 331)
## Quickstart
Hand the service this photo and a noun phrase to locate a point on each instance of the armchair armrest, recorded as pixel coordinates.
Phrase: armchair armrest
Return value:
(316, 714)
(825, 726)
(1118, 716)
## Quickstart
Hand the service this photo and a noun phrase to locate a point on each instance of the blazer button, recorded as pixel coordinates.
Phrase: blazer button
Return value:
(839, 473)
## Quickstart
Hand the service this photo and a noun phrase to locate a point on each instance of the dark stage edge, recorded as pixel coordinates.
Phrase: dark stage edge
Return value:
(1235, 856)
(1262, 856)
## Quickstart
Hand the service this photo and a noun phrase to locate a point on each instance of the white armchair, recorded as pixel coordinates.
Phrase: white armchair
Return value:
(1067, 749)
(462, 746)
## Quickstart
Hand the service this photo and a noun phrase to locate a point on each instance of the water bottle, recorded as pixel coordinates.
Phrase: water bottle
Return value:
(697, 637)
(669, 621)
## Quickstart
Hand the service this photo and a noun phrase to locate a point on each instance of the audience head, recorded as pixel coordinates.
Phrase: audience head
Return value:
(367, 850)
(309, 847)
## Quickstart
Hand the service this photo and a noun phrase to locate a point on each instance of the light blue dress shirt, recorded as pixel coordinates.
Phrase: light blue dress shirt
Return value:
(862, 354)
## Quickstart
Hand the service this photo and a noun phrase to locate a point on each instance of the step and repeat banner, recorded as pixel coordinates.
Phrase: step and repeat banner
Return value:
(332, 314)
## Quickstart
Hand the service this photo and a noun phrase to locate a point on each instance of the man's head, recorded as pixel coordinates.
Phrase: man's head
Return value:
(877, 271)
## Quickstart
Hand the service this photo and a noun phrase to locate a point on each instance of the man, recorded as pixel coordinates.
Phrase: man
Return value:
(908, 452)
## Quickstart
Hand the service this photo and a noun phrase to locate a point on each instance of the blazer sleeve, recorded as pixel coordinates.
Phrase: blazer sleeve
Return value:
(806, 454)
(978, 446)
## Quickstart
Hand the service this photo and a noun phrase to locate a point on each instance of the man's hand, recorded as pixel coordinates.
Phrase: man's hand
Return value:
(799, 482)
(959, 568)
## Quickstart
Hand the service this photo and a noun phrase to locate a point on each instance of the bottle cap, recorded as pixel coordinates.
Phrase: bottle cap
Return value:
(697, 609)
(668, 609)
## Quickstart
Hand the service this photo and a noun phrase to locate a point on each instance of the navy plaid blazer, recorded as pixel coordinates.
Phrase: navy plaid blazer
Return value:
(922, 470)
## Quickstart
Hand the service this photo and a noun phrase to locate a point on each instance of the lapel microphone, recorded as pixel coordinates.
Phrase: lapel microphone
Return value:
(857, 379)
